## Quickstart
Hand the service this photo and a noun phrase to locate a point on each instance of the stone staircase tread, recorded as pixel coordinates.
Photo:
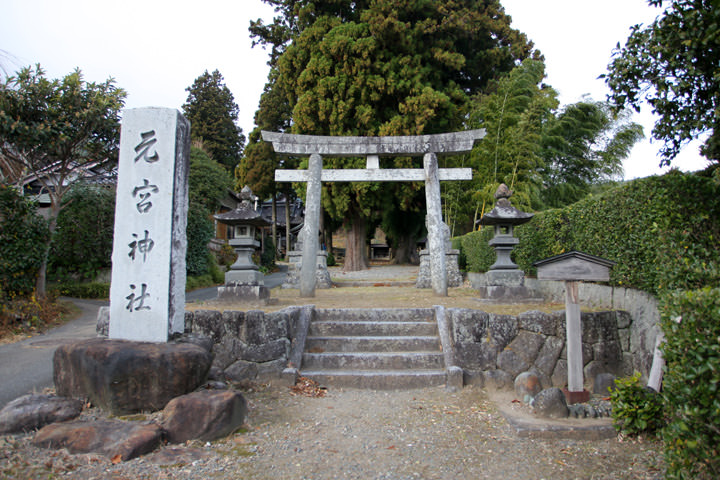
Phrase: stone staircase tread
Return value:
(418, 372)
(371, 337)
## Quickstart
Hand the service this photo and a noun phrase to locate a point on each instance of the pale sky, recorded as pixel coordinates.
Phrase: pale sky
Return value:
(156, 49)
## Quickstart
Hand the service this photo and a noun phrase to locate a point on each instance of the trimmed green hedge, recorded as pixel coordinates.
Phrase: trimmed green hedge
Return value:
(691, 385)
(663, 232)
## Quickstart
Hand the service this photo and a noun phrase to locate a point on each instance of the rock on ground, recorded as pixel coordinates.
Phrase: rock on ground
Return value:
(115, 439)
(31, 412)
(204, 415)
(123, 377)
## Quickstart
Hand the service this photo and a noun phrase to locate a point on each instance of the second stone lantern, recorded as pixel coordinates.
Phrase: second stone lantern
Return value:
(504, 281)
(243, 223)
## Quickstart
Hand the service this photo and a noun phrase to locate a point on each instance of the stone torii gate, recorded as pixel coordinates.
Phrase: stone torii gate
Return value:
(430, 146)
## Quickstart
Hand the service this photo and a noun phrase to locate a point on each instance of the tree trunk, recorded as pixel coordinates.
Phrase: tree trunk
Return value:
(405, 250)
(41, 282)
(355, 259)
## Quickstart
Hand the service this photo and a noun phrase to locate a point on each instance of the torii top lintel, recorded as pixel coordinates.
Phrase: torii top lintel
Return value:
(440, 144)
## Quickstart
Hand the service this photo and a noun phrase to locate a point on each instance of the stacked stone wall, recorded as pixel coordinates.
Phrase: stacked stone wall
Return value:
(494, 349)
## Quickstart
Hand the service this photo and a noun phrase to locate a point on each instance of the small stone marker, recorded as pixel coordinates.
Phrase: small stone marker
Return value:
(147, 293)
(573, 267)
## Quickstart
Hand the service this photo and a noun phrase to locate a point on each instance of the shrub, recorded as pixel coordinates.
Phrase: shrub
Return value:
(635, 409)
(82, 242)
(200, 231)
(226, 255)
(691, 386)
(267, 257)
(23, 241)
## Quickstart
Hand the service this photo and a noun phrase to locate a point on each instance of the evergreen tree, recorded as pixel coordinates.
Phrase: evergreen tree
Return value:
(513, 113)
(384, 68)
(213, 114)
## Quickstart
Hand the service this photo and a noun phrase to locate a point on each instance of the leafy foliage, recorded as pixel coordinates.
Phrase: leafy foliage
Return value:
(208, 181)
(673, 64)
(200, 231)
(23, 236)
(83, 290)
(213, 113)
(691, 323)
(635, 409)
(384, 68)
(82, 242)
(663, 232)
(582, 145)
(66, 125)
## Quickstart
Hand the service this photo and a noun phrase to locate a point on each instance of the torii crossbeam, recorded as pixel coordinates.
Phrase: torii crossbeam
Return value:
(430, 146)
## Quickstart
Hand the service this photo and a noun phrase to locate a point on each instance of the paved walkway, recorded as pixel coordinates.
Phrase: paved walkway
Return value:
(27, 364)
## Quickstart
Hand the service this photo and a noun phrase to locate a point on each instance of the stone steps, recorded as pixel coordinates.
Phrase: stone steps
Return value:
(386, 343)
(376, 349)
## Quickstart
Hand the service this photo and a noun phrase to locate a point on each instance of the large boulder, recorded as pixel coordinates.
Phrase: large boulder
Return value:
(123, 377)
(31, 412)
(113, 438)
(205, 415)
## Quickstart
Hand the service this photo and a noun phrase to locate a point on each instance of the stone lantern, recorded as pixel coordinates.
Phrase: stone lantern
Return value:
(504, 281)
(243, 224)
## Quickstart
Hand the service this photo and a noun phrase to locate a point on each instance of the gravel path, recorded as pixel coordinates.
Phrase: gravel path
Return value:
(357, 434)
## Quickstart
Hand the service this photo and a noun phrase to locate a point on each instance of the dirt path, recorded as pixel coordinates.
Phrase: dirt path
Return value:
(357, 434)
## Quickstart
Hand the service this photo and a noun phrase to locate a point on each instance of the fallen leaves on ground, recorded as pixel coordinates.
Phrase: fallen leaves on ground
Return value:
(307, 388)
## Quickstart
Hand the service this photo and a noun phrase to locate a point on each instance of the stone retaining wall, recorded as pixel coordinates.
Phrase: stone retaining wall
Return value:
(642, 307)
(491, 349)
(251, 345)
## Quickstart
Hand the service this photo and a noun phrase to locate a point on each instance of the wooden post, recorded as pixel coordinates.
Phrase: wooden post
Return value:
(576, 392)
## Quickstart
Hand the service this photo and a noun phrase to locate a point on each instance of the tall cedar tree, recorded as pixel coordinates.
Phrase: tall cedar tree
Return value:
(54, 129)
(213, 114)
(397, 67)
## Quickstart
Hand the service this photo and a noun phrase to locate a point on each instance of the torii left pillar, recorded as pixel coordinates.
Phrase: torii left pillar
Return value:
(311, 243)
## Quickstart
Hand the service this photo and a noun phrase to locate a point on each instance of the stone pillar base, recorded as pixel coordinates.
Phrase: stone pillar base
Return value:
(244, 293)
(454, 276)
(322, 276)
(244, 277)
(576, 397)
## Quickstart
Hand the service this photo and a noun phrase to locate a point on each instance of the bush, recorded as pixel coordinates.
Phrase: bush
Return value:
(635, 409)
(23, 241)
(267, 257)
(226, 255)
(200, 230)
(691, 385)
(83, 240)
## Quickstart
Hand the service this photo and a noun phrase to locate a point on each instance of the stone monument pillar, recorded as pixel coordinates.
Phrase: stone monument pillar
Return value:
(147, 292)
